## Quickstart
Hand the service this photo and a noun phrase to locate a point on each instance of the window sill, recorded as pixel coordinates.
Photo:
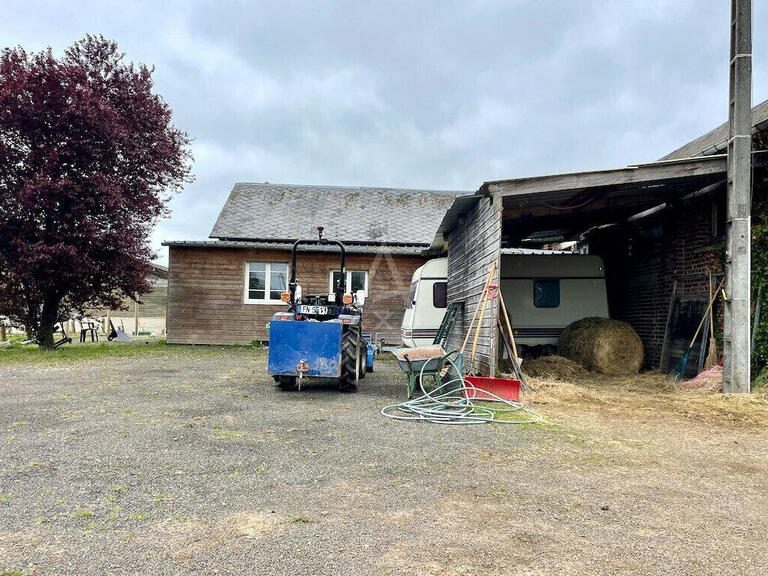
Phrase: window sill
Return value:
(265, 302)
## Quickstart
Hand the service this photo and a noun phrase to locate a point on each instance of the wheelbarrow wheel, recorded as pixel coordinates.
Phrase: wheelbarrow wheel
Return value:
(350, 363)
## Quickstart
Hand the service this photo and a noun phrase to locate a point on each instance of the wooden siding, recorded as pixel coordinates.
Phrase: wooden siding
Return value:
(206, 292)
(472, 247)
(153, 303)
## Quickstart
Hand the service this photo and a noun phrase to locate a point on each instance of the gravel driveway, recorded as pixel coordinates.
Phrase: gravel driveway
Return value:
(191, 461)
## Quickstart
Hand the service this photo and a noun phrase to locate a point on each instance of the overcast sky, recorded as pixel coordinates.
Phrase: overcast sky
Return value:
(441, 95)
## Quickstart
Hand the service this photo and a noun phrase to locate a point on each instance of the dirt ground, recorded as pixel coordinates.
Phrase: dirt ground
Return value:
(191, 461)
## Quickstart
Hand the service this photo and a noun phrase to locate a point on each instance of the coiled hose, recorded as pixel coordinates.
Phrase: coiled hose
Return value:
(451, 403)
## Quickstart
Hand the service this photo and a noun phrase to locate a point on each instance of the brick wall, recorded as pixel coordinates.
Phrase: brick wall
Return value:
(642, 261)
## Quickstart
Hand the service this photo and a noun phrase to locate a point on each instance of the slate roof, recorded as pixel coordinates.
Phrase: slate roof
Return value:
(714, 141)
(274, 212)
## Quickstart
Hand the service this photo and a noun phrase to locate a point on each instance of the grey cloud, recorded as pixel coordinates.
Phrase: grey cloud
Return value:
(413, 94)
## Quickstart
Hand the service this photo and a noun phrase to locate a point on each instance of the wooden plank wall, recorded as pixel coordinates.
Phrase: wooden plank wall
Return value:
(153, 303)
(472, 247)
(206, 292)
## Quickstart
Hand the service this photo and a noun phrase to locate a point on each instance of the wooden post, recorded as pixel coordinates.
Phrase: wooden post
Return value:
(2, 331)
(136, 319)
(663, 361)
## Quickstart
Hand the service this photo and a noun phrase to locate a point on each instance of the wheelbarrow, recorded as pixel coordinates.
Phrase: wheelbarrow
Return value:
(427, 363)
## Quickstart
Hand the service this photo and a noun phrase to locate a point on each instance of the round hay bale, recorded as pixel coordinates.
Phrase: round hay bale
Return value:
(554, 368)
(603, 345)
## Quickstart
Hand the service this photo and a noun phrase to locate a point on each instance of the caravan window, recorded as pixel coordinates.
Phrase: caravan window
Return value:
(546, 293)
(412, 294)
(440, 294)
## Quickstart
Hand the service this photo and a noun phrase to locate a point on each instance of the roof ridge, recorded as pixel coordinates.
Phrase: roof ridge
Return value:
(352, 187)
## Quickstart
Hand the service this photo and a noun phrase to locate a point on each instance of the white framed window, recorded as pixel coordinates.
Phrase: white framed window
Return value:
(265, 282)
(356, 280)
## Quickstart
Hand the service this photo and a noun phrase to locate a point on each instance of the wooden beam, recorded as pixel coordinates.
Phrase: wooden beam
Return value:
(645, 174)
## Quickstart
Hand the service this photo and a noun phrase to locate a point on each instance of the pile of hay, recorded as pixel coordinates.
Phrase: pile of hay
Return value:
(603, 345)
(554, 368)
(711, 380)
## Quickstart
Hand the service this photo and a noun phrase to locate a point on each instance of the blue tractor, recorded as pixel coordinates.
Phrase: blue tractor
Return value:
(319, 336)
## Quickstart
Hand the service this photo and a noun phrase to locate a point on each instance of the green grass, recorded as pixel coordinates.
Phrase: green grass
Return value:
(75, 352)
(504, 413)
(83, 514)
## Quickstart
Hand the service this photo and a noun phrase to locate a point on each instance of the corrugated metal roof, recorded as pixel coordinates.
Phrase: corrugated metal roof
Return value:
(350, 248)
(270, 212)
(714, 141)
(536, 251)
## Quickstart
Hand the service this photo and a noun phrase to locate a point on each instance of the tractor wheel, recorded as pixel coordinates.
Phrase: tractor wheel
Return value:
(350, 363)
(363, 360)
(286, 382)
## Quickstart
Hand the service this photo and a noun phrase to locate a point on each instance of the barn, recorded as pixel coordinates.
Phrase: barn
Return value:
(659, 228)
(224, 290)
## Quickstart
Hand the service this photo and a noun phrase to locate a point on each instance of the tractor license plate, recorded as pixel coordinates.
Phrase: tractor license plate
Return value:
(314, 310)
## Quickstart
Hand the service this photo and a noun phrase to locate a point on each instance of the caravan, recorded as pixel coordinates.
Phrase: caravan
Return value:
(427, 301)
(544, 291)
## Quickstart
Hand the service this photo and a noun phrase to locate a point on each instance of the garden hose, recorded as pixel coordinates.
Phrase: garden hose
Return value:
(451, 403)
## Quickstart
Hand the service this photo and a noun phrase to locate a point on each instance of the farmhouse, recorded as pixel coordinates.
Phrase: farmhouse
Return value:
(225, 290)
(659, 228)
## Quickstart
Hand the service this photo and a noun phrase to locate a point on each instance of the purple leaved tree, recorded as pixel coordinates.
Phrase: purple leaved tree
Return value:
(88, 161)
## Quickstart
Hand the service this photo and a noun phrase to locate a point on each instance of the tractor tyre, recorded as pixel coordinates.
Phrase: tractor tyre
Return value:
(350, 362)
(363, 359)
(286, 382)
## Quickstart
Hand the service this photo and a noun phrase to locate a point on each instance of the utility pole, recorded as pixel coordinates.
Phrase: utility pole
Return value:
(736, 372)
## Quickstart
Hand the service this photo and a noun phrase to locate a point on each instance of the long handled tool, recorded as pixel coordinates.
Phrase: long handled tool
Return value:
(513, 357)
(683, 362)
(711, 360)
(481, 304)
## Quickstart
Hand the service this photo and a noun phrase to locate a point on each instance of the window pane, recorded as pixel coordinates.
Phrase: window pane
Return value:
(278, 280)
(357, 281)
(335, 280)
(256, 280)
(440, 294)
(412, 295)
(546, 293)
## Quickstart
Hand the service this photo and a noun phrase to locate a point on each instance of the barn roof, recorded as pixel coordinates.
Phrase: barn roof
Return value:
(285, 212)
(715, 141)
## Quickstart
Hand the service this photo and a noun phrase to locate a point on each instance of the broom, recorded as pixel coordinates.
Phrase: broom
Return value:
(711, 360)
(683, 362)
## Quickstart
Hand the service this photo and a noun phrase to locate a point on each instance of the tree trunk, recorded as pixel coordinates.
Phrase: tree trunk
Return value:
(48, 319)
